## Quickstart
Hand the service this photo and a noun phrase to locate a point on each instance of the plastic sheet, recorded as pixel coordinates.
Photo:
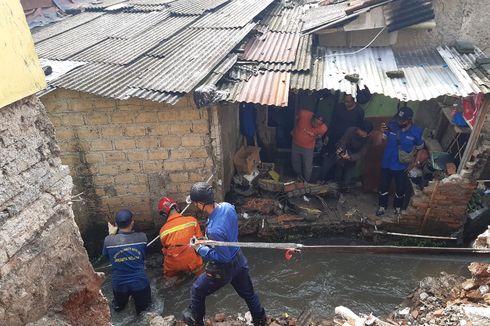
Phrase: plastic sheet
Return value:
(207, 95)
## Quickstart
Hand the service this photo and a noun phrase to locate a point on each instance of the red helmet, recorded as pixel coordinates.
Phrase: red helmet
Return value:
(166, 204)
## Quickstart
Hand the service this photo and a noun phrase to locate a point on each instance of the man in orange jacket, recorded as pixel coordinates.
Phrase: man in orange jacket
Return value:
(176, 232)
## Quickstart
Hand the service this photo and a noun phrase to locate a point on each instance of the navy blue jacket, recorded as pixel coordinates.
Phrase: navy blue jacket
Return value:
(126, 252)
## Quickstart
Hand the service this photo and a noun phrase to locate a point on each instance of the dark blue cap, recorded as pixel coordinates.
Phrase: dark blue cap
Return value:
(124, 218)
(404, 113)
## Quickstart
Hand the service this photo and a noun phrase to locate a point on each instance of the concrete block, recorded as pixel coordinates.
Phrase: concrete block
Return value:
(101, 145)
(94, 158)
(180, 129)
(158, 130)
(168, 115)
(107, 131)
(179, 154)
(122, 117)
(200, 126)
(138, 189)
(135, 131)
(146, 117)
(147, 142)
(96, 119)
(124, 143)
(158, 154)
(179, 177)
(137, 155)
(194, 164)
(152, 166)
(192, 141)
(170, 141)
(173, 166)
(199, 153)
(114, 156)
(124, 179)
(130, 167)
(72, 119)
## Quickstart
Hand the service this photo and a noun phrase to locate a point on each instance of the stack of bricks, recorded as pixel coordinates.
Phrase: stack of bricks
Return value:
(442, 211)
(129, 153)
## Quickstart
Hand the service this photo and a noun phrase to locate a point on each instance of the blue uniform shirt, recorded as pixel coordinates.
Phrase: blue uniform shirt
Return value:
(126, 252)
(408, 140)
(222, 226)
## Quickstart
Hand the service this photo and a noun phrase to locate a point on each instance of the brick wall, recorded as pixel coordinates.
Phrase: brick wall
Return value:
(440, 208)
(129, 153)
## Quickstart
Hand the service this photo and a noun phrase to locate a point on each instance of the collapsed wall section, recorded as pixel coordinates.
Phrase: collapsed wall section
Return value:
(44, 268)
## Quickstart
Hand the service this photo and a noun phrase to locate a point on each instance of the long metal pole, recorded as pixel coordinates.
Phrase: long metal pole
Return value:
(183, 211)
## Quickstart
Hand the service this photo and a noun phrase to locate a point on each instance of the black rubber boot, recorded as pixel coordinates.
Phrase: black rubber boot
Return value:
(189, 319)
(262, 321)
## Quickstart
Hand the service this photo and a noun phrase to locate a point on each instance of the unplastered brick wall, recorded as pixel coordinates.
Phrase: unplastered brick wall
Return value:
(440, 207)
(43, 266)
(129, 153)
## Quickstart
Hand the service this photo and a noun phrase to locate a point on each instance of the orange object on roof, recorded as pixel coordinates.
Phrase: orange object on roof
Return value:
(179, 230)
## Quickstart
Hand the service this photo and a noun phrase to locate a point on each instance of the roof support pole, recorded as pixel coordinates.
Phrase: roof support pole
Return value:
(475, 134)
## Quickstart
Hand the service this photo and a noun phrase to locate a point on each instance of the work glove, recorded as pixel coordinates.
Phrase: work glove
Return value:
(193, 243)
(112, 229)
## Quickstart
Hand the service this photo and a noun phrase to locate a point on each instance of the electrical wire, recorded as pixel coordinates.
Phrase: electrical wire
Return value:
(361, 49)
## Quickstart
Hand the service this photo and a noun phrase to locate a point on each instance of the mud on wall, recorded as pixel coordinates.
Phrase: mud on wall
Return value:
(455, 20)
(44, 268)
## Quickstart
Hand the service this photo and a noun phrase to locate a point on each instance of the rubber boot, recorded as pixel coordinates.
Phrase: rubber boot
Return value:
(189, 319)
(262, 321)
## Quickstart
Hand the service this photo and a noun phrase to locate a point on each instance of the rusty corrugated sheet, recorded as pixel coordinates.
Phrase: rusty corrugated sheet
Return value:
(266, 88)
(285, 19)
(237, 13)
(192, 58)
(312, 79)
(302, 62)
(272, 47)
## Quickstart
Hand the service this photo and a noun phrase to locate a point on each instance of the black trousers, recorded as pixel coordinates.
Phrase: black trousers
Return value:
(142, 299)
(401, 179)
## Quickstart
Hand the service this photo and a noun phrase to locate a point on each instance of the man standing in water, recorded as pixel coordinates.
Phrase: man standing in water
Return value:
(223, 264)
(126, 252)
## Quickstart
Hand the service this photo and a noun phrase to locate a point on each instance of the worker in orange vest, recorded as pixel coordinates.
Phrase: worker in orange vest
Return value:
(175, 234)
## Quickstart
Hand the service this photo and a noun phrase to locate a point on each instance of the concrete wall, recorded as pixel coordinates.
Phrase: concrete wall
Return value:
(129, 153)
(455, 20)
(44, 268)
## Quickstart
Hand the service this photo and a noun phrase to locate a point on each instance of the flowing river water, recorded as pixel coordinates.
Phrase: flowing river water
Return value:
(316, 281)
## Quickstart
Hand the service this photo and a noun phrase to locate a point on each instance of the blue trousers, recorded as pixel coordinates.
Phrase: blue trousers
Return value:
(218, 275)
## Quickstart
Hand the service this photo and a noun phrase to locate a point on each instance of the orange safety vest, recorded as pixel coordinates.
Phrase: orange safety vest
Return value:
(179, 230)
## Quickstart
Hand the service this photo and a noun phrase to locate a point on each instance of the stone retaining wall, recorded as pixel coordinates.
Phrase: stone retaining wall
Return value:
(44, 268)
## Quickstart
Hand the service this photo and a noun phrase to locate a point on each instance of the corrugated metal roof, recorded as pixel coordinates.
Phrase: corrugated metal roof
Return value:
(272, 47)
(266, 88)
(194, 7)
(124, 51)
(45, 32)
(105, 79)
(323, 16)
(302, 61)
(100, 4)
(73, 41)
(429, 78)
(192, 60)
(312, 79)
(221, 70)
(162, 97)
(285, 19)
(464, 66)
(400, 14)
(141, 23)
(237, 13)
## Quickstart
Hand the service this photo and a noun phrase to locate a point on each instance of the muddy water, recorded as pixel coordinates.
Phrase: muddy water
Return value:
(315, 281)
